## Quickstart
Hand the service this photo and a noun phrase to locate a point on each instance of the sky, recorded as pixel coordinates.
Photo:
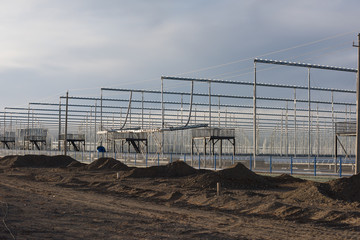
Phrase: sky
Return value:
(50, 47)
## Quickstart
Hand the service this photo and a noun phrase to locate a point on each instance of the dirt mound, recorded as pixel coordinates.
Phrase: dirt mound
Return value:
(345, 188)
(310, 192)
(37, 161)
(171, 170)
(285, 178)
(76, 164)
(339, 189)
(236, 176)
(107, 163)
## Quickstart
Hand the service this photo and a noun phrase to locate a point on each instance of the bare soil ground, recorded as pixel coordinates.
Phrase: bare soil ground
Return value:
(59, 198)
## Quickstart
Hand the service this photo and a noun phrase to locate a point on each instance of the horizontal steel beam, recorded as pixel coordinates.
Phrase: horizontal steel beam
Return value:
(307, 65)
(257, 84)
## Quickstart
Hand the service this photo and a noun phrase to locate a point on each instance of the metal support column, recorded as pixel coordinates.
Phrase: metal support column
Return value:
(101, 110)
(287, 130)
(317, 130)
(357, 145)
(95, 131)
(219, 113)
(66, 122)
(254, 116)
(59, 143)
(162, 116)
(209, 104)
(309, 117)
(295, 122)
(333, 132)
(281, 133)
(142, 110)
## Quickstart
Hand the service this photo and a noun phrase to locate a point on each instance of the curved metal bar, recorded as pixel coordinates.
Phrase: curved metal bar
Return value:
(191, 103)
(128, 110)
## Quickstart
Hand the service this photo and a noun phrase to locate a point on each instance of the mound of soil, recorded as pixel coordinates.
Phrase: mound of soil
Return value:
(310, 192)
(171, 170)
(346, 188)
(37, 161)
(76, 164)
(236, 176)
(106, 163)
(285, 178)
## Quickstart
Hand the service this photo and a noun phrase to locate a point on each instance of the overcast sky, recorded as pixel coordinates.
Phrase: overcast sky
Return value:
(49, 47)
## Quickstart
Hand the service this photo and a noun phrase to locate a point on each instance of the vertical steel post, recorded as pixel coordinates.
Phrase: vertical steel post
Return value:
(281, 133)
(195, 115)
(219, 113)
(28, 123)
(214, 161)
(181, 109)
(250, 162)
(28, 127)
(309, 117)
(162, 115)
(357, 145)
(142, 110)
(199, 159)
(333, 131)
(295, 122)
(225, 117)
(287, 130)
(192, 150)
(59, 145)
(209, 104)
(317, 130)
(95, 120)
(254, 115)
(340, 167)
(10, 122)
(86, 131)
(66, 122)
(4, 123)
(101, 110)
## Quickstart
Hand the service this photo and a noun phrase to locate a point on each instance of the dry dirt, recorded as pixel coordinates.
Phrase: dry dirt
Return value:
(45, 197)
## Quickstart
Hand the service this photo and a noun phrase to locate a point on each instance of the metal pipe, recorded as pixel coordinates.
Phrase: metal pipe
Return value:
(210, 104)
(248, 83)
(191, 101)
(162, 115)
(101, 111)
(309, 117)
(59, 143)
(142, 110)
(286, 131)
(306, 65)
(295, 122)
(66, 123)
(357, 145)
(254, 115)
(95, 123)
